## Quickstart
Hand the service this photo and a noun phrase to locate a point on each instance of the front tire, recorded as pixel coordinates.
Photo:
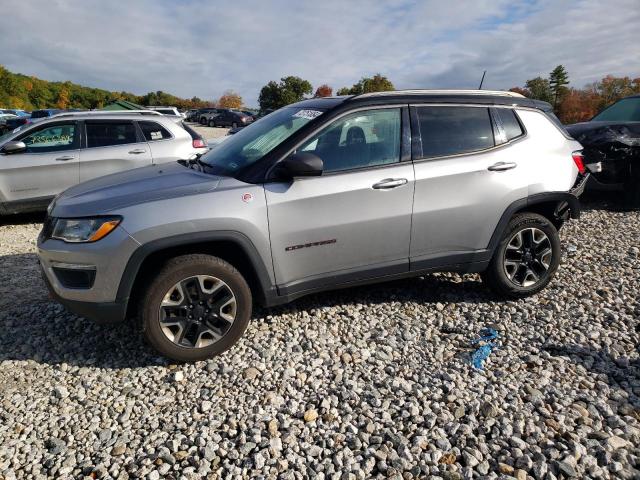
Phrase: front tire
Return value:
(212, 123)
(526, 258)
(197, 307)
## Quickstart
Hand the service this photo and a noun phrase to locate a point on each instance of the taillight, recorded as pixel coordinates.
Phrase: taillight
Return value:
(578, 159)
(198, 143)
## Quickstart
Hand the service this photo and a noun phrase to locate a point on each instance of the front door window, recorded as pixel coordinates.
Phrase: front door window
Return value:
(51, 139)
(359, 140)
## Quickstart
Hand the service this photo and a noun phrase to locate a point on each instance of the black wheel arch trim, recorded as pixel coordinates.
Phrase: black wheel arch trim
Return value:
(132, 269)
(557, 198)
(269, 295)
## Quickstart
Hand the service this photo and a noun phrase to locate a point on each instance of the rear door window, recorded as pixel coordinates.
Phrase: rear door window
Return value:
(154, 131)
(107, 134)
(454, 130)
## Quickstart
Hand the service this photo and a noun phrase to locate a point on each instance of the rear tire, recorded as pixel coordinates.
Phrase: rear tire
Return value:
(526, 258)
(197, 307)
(234, 125)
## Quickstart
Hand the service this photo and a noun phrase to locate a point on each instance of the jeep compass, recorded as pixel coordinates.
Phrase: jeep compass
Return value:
(325, 193)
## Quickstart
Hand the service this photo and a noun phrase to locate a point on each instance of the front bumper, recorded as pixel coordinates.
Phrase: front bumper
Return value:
(106, 259)
(104, 313)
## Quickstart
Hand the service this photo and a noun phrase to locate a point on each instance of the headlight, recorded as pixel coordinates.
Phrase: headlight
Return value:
(78, 230)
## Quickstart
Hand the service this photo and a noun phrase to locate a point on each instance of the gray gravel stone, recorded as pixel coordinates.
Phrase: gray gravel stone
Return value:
(372, 382)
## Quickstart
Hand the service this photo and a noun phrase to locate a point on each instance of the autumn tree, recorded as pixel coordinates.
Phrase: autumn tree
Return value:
(377, 83)
(522, 91)
(63, 99)
(611, 89)
(289, 90)
(323, 90)
(230, 99)
(578, 106)
(539, 89)
(558, 81)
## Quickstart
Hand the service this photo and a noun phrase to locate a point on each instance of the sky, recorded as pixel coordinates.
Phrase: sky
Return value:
(203, 48)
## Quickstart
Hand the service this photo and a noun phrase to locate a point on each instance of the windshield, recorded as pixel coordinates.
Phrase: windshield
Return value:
(626, 110)
(7, 135)
(253, 142)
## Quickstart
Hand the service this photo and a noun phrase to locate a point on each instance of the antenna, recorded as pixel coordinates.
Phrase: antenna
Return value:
(482, 81)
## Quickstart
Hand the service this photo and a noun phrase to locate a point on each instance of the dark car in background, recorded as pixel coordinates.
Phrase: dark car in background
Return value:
(4, 117)
(611, 142)
(13, 123)
(44, 113)
(192, 115)
(35, 116)
(206, 114)
(230, 118)
(15, 111)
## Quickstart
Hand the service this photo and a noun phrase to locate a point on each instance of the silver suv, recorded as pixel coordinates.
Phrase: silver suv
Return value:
(322, 194)
(39, 161)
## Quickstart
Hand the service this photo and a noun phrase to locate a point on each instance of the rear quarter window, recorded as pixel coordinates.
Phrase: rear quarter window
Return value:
(507, 126)
(154, 131)
(454, 130)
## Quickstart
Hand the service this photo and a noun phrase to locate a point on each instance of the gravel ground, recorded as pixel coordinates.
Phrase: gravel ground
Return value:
(362, 383)
(208, 133)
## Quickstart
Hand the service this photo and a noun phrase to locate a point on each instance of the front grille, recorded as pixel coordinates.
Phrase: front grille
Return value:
(47, 228)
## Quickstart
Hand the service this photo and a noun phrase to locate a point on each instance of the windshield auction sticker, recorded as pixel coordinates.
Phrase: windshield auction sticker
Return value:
(308, 114)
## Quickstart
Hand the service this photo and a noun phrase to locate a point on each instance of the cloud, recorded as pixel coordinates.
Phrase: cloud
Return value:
(202, 48)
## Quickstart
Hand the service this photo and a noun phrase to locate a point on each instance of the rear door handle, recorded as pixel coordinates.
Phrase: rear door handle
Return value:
(137, 151)
(389, 183)
(502, 166)
(65, 158)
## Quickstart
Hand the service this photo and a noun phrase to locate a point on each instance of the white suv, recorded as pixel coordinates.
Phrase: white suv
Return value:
(39, 161)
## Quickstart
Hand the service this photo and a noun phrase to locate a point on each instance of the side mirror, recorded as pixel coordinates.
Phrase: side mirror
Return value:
(13, 147)
(301, 164)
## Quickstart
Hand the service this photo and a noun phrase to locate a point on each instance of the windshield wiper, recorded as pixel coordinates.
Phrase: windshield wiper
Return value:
(192, 162)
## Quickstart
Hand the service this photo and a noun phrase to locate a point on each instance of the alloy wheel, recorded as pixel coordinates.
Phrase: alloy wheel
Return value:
(527, 257)
(197, 311)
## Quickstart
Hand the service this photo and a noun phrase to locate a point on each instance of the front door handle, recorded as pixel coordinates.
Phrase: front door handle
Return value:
(502, 166)
(65, 158)
(388, 183)
(137, 151)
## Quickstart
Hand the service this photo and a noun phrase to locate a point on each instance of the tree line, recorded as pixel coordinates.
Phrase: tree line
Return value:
(293, 89)
(31, 93)
(570, 104)
(573, 105)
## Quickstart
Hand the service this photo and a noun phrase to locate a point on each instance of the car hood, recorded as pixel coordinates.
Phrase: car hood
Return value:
(594, 134)
(155, 182)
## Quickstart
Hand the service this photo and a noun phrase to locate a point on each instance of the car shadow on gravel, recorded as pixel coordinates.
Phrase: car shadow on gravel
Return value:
(621, 373)
(22, 218)
(610, 201)
(429, 289)
(34, 327)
